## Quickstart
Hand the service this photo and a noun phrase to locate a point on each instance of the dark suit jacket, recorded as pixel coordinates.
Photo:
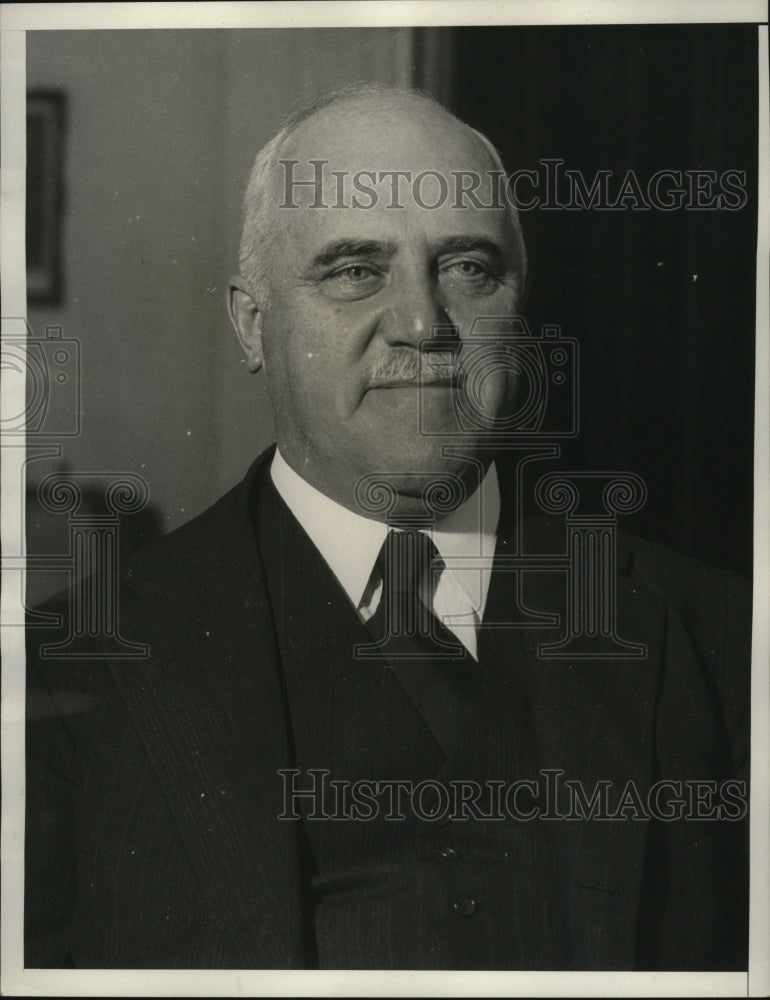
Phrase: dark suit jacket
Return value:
(152, 796)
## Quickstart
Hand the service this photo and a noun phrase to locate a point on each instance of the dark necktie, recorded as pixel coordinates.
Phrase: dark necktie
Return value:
(435, 670)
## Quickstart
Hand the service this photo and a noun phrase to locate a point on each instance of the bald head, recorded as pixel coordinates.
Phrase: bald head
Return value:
(365, 132)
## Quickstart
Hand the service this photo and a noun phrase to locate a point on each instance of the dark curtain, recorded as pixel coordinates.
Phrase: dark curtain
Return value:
(661, 302)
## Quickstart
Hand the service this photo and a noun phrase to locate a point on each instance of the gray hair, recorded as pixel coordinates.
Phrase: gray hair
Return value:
(258, 204)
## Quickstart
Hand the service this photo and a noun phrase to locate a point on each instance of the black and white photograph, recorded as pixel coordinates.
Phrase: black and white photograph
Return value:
(385, 534)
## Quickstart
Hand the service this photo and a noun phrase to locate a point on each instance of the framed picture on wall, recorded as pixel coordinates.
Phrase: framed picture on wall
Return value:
(45, 189)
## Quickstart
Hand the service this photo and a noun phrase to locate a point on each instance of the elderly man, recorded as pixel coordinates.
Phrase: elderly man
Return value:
(344, 748)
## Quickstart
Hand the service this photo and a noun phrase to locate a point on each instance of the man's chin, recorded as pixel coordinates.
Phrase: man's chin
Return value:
(419, 478)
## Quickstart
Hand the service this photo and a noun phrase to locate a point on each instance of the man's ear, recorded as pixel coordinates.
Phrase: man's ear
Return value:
(246, 318)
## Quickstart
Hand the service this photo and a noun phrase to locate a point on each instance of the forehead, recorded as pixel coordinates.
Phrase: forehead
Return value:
(387, 170)
(389, 132)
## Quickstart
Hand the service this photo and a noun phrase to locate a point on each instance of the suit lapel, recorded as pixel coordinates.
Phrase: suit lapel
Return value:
(594, 721)
(337, 700)
(210, 708)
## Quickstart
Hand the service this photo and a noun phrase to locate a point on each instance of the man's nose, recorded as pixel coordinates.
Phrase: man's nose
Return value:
(415, 312)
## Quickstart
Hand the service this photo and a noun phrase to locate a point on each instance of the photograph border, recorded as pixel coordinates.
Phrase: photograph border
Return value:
(15, 20)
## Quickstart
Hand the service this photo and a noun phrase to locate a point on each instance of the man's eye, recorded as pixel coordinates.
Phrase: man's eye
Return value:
(468, 268)
(475, 276)
(355, 273)
(353, 281)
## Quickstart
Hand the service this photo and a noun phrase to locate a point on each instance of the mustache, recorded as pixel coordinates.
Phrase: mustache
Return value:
(409, 367)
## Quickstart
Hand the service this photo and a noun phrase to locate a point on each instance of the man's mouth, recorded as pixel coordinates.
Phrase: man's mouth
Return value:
(430, 380)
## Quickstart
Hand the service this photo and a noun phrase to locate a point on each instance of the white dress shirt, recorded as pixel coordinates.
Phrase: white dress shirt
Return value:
(350, 544)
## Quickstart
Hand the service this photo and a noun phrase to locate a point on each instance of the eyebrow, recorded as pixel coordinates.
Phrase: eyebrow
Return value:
(464, 243)
(352, 248)
(341, 249)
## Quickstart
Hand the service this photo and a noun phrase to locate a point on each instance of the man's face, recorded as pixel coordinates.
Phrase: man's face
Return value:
(354, 293)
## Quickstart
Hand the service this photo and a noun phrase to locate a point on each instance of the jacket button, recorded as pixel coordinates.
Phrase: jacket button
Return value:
(448, 852)
(465, 906)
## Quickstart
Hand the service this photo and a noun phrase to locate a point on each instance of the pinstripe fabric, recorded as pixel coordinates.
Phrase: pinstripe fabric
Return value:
(152, 837)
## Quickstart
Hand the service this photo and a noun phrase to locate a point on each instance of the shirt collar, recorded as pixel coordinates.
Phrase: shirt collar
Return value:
(470, 532)
(350, 543)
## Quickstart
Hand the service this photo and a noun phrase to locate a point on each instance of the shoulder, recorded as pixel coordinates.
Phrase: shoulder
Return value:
(667, 568)
(701, 609)
(194, 551)
(695, 588)
(708, 611)
(210, 560)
